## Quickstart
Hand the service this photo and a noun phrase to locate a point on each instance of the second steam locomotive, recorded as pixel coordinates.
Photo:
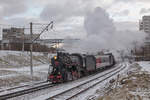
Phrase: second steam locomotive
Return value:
(67, 67)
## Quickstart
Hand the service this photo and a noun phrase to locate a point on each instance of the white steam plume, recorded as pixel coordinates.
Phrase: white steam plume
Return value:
(102, 34)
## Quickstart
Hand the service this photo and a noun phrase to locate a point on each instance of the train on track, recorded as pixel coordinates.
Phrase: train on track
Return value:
(68, 67)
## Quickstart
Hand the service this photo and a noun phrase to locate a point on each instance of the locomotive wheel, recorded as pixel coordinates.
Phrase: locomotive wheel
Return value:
(65, 77)
(75, 75)
(69, 76)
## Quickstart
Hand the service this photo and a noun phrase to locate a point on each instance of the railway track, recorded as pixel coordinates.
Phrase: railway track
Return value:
(43, 86)
(22, 86)
(77, 90)
(26, 91)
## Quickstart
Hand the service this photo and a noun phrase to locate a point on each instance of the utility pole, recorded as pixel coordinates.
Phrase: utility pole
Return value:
(34, 39)
(23, 41)
(31, 47)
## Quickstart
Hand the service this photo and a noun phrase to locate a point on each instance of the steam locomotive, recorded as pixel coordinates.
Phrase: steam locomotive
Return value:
(67, 67)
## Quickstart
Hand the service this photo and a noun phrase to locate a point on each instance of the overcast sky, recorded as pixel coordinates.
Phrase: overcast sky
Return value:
(68, 15)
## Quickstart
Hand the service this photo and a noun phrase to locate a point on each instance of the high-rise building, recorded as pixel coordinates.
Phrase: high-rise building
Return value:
(144, 24)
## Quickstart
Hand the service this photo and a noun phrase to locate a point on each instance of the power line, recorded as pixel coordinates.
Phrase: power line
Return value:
(25, 27)
(11, 25)
(40, 23)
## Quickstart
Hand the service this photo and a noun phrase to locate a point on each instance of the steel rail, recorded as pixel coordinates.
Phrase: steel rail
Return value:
(29, 90)
(17, 87)
(66, 91)
(26, 91)
(93, 85)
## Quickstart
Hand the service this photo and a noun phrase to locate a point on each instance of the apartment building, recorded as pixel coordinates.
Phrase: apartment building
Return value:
(144, 25)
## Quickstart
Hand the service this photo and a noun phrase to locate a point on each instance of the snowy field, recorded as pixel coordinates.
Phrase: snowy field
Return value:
(99, 90)
(130, 83)
(145, 65)
(133, 84)
(15, 68)
(43, 94)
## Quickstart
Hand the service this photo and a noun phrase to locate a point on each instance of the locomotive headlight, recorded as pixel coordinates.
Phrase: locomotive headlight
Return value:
(55, 57)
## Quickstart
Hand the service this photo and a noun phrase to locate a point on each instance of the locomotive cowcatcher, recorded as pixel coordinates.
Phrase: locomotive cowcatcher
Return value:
(66, 67)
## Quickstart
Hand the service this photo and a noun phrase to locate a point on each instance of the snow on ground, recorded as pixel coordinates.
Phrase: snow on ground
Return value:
(43, 94)
(15, 67)
(131, 85)
(22, 75)
(98, 90)
(15, 59)
(145, 65)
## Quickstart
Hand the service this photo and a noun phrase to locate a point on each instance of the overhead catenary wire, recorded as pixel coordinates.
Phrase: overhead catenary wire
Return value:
(37, 27)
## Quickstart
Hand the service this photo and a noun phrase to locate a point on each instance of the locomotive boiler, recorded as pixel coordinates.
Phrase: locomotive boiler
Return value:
(68, 67)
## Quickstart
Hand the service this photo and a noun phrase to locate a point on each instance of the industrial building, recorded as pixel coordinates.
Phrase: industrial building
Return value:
(15, 39)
